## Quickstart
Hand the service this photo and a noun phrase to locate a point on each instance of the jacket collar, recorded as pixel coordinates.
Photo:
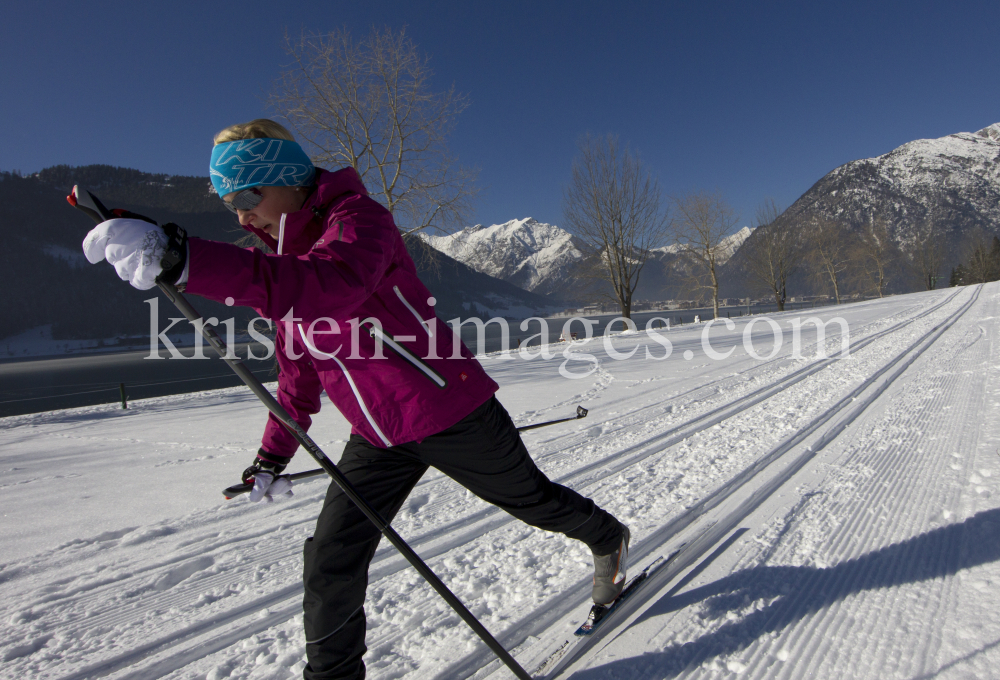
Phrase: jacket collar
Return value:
(303, 228)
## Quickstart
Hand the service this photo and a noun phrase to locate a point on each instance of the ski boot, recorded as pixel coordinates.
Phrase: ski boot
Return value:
(609, 572)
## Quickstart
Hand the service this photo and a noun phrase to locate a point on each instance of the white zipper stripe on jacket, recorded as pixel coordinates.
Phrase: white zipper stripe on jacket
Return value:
(403, 352)
(281, 232)
(350, 381)
(423, 324)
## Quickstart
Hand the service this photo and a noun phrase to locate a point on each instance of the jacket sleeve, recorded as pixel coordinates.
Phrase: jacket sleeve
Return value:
(331, 280)
(299, 392)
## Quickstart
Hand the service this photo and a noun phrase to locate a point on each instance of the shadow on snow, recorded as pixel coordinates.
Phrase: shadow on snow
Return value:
(792, 593)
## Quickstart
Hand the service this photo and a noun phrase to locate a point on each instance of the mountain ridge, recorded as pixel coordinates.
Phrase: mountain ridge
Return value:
(524, 252)
(545, 258)
(50, 283)
(952, 181)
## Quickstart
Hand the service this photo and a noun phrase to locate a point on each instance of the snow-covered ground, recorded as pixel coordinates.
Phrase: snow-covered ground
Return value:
(840, 518)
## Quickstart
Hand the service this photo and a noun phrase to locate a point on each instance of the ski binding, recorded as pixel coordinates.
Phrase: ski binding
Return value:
(600, 612)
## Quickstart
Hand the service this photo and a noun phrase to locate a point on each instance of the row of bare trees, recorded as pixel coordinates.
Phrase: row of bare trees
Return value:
(841, 259)
(615, 206)
(981, 264)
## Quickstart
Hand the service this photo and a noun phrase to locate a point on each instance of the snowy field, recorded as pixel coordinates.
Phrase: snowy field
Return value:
(839, 517)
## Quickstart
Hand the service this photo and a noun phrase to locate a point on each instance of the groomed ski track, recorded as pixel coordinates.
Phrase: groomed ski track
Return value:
(756, 451)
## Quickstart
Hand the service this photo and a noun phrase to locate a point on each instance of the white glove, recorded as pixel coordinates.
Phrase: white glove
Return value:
(133, 247)
(266, 486)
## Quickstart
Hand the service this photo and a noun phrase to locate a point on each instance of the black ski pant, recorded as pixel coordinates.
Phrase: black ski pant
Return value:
(483, 453)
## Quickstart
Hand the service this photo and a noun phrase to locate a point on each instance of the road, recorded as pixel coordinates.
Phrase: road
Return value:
(49, 383)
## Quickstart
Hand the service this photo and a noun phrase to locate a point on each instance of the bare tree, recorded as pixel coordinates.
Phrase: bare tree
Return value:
(830, 253)
(874, 254)
(771, 253)
(925, 254)
(613, 204)
(370, 105)
(704, 220)
(982, 254)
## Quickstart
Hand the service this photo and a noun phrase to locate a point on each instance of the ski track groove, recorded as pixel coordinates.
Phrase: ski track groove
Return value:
(665, 536)
(178, 594)
(895, 482)
(699, 394)
(916, 349)
(715, 385)
(762, 666)
(900, 488)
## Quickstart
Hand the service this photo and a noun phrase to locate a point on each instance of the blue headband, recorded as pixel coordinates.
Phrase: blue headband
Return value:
(259, 162)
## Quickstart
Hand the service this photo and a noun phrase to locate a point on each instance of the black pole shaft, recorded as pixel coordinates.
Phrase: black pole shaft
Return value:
(238, 489)
(99, 213)
(524, 428)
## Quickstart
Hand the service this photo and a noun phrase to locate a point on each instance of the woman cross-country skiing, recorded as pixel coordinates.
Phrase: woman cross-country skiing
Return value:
(354, 320)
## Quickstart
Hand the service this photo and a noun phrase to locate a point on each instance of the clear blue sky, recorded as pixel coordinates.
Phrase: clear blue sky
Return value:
(753, 99)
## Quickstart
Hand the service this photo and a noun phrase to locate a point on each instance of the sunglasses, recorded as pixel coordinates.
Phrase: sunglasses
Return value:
(248, 199)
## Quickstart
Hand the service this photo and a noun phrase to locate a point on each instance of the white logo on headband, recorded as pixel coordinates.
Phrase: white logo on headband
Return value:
(249, 151)
(224, 181)
(269, 174)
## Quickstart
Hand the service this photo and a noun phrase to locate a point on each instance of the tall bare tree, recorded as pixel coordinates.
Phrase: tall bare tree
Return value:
(771, 253)
(370, 105)
(874, 255)
(613, 204)
(924, 255)
(830, 254)
(704, 220)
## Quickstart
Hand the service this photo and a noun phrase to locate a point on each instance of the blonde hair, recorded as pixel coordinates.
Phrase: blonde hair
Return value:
(255, 129)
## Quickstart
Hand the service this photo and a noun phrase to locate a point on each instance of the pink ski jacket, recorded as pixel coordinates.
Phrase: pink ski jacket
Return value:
(352, 319)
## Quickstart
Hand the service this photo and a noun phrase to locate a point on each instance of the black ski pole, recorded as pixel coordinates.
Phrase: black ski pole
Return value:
(84, 200)
(581, 412)
(237, 489)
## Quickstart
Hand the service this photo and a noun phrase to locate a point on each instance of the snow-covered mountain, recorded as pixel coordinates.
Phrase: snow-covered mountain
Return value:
(530, 254)
(953, 182)
(726, 248)
(462, 291)
(543, 258)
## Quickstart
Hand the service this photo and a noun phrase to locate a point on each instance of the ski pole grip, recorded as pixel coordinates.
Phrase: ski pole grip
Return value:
(90, 204)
